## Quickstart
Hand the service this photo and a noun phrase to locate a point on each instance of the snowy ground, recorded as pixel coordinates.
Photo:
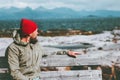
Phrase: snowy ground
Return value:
(54, 44)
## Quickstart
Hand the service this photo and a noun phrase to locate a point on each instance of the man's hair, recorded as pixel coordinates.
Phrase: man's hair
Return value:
(22, 35)
(33, 41)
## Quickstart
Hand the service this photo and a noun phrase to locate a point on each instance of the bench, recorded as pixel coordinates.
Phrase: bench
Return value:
(62, 61)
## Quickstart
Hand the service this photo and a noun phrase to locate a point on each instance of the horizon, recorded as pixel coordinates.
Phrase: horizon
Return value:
(55, 8)
(77, 5)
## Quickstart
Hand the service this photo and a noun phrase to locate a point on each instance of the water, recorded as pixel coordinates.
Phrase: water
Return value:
(71, 46)
(85, 24)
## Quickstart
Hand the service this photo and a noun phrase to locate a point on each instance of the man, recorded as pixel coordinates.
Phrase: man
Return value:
(24, 54)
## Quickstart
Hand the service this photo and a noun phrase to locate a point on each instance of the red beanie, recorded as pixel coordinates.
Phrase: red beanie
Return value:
(28, 26)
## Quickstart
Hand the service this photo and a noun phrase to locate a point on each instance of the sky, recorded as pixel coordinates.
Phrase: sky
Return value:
(73, 4)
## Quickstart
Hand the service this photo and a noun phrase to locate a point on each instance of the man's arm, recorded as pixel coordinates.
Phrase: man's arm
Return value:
(69, 53)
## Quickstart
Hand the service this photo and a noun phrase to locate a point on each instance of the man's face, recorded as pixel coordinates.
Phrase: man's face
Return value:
(33, 36)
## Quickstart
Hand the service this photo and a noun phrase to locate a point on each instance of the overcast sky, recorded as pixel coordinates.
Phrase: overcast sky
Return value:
(74, 4)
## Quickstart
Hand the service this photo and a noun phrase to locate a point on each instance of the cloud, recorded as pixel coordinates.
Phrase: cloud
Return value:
(74, 4)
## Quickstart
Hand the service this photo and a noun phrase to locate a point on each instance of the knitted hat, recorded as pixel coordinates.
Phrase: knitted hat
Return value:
(28, 26)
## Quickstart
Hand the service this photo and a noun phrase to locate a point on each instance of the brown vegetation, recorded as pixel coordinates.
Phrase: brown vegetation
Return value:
(8, 33)
(65, 32)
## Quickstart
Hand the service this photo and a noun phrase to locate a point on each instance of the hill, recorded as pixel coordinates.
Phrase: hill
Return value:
(43, 13)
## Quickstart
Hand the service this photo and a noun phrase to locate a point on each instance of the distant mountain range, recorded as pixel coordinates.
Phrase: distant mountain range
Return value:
(43, 13)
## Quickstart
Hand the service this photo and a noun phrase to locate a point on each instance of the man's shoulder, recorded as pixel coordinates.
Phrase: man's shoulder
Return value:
(12, 45)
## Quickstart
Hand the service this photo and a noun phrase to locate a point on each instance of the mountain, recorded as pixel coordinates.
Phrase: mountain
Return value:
(43, 13)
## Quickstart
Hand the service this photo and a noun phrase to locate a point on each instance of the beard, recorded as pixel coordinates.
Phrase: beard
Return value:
(33, 40)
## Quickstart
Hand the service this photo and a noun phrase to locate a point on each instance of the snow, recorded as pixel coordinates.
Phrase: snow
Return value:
(109, 50)
(97, 40)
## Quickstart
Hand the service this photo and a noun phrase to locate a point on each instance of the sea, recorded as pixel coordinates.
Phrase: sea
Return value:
(95, 24)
